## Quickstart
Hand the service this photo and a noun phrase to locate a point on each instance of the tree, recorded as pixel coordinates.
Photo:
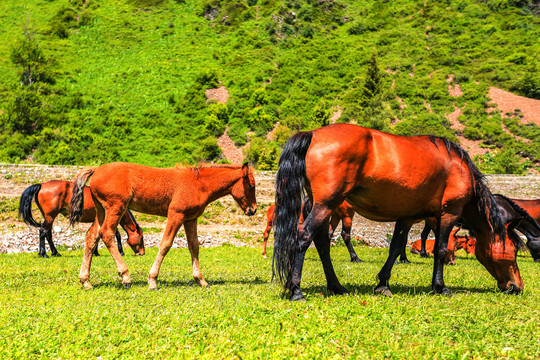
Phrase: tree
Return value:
(34, 65)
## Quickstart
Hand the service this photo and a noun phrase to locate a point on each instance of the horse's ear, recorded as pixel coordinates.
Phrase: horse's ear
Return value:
(245, 169)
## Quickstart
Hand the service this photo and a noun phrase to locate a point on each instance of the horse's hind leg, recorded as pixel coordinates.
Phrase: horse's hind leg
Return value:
(119, 242)
(322, 243)
(174, 222)
(92, 239)
(401, 231)
(193, 243)
(44, 232)
(54, 251)
(317, 217)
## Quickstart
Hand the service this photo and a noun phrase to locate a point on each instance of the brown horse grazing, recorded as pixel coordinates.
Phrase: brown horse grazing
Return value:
(455, 243)
(384, 177)
(343, 213)
(52, 198)
(181, 194)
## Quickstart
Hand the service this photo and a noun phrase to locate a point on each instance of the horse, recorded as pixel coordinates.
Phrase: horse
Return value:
(385, 177)
(344, 213)
(52, 198)
(455, 242)
(520, 215)
(180, 193)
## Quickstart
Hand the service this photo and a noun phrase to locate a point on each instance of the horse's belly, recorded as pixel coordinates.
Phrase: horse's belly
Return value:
(391, 205)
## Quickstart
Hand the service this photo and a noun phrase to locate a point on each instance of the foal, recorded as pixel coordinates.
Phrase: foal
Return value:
(179, 193)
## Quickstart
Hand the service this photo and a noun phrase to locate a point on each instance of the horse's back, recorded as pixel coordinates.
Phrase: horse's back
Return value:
(385, 176)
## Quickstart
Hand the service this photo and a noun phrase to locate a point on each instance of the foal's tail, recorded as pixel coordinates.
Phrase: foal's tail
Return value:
(76, 205)
(291, 183)
(25, 204)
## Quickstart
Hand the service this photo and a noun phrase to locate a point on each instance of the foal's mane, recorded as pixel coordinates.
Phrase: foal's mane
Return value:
(196, 169)
(484, 195)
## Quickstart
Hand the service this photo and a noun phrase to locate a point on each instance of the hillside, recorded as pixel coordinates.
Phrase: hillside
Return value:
(93, 81)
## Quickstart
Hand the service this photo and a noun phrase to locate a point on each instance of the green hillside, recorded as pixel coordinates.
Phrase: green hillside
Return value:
(88, 82)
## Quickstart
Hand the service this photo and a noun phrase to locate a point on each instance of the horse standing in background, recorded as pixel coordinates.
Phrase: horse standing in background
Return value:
(343, 213)
(52, 198)
(384, 177)
(180, 193)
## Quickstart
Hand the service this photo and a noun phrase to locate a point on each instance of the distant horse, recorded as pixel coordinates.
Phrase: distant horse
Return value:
(455, 242)
(343, 213)
(384, 177)
(52, 198)
(517, 215)
(179, 193)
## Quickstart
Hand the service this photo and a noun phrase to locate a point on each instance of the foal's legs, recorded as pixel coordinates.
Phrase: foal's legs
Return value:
(92, 239)
(174, 222)
(193, 243)
(317, 217)
(401, 231)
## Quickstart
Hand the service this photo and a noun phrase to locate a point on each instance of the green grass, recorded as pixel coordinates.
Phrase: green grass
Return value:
(45, 313)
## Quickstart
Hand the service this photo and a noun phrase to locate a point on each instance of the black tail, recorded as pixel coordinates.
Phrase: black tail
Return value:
(25, 204)
(76, 205)
(291, 183)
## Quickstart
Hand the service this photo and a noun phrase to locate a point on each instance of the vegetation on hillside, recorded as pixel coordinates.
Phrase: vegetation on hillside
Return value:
(93, 81)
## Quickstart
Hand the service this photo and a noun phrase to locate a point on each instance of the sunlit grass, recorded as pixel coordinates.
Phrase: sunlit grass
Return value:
(45, 313)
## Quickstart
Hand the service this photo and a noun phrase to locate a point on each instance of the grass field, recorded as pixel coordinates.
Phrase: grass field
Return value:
(45, 314)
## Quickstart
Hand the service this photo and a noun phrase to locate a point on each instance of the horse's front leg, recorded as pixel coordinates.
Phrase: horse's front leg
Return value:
(439, 252)
(401, 232)
(317, 217)
(193, 244)
(322, 244)
(174, 222)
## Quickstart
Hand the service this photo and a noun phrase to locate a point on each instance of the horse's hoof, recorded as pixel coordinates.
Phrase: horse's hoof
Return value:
(122, 253)
(338, 290)
(265, 257)
(383, 290)
(96, 254)
(405, 261)
(444, 291)
(127, 286)
(425, 256)
(153, 289)
(297, 297)
(87, 286)
(536, 260)
(56, 254)
(43, 255)
(357, 260)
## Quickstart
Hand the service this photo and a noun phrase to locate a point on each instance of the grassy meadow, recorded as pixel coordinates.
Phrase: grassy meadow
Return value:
(46, 314)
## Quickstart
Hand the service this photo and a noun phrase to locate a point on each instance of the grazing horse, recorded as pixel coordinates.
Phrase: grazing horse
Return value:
(455, 243)
(343, 213)
(52, 198)
(384, 177)
(520, 215)
(523, 216)
(180, 193)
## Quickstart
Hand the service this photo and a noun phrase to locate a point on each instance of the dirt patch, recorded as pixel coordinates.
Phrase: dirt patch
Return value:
(230, 151)
(508, 102)
(219, 94)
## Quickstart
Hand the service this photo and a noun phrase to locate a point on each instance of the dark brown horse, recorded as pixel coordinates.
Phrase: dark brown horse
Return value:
(52, 198)
(180, 193)
(385, 178)
(343, 213)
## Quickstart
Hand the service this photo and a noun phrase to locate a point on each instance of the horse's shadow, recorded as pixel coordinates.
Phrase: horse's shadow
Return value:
(163, 284)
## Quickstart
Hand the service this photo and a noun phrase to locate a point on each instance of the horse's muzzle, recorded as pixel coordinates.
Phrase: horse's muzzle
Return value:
(251, 212)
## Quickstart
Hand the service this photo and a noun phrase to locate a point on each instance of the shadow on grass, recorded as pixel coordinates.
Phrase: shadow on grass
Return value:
(162, 284)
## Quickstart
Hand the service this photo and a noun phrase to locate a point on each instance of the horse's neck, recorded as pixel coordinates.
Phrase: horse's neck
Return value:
(217, 182)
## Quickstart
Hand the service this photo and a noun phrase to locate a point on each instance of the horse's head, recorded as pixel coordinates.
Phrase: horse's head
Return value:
(136, 242)
(244, 191)
(499, 258)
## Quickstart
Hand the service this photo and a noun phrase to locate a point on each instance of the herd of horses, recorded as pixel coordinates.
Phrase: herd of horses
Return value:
(325, 176)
